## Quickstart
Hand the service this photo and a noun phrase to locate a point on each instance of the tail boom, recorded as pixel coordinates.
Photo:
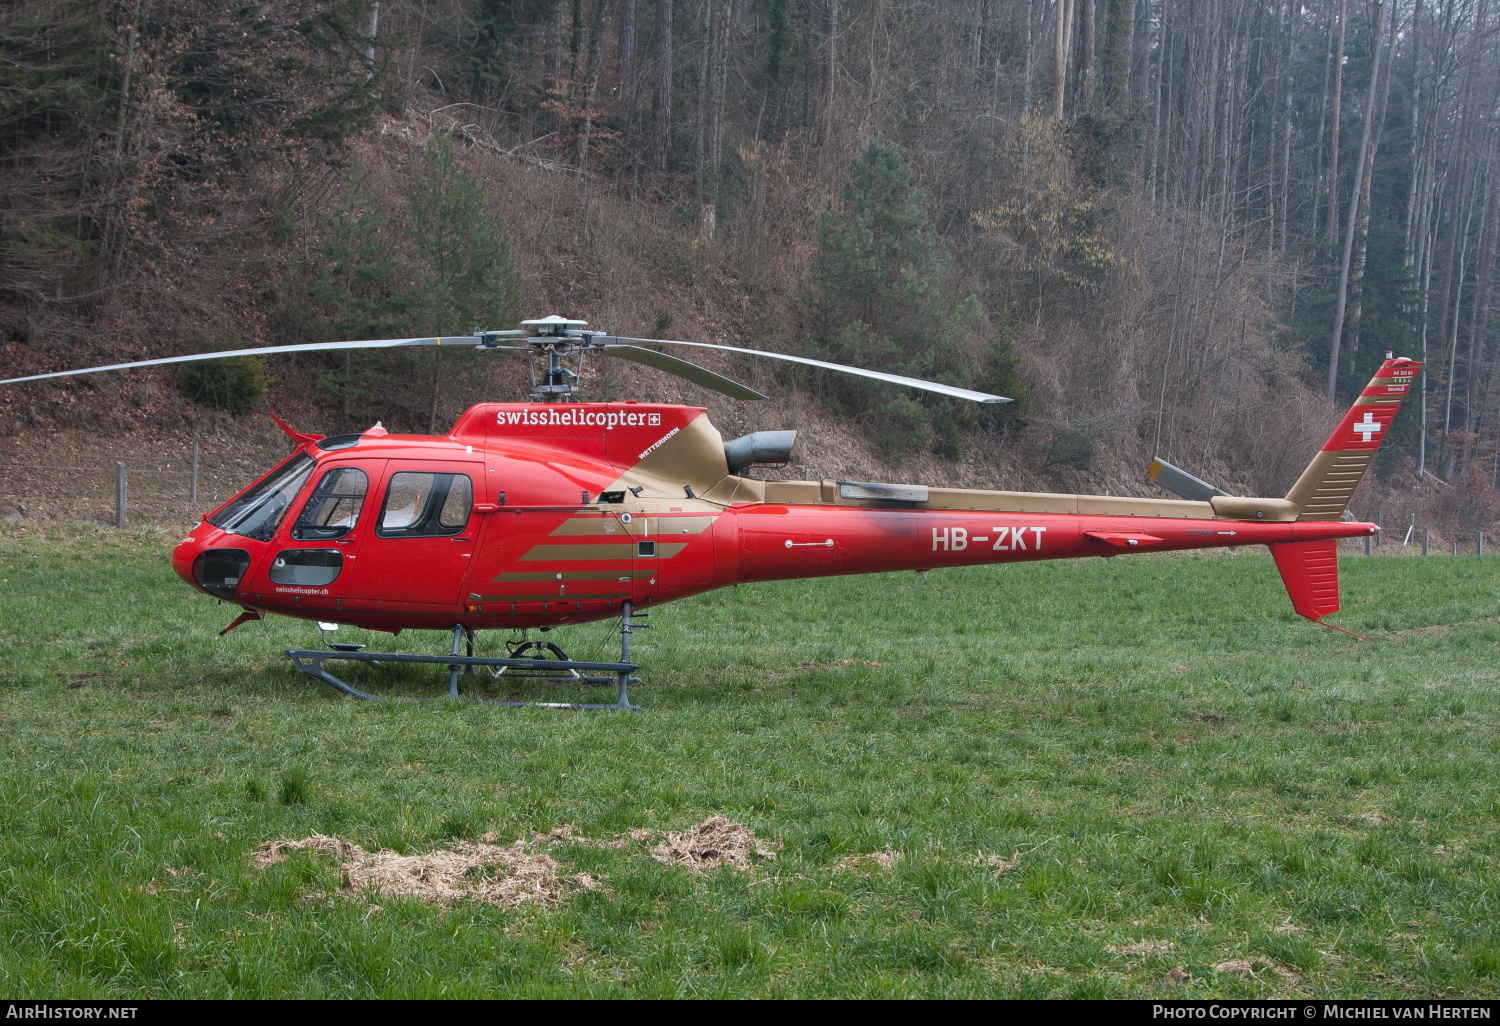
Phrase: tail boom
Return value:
(777, 542)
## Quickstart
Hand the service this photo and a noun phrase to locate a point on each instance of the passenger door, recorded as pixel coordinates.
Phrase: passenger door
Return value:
(419, 540)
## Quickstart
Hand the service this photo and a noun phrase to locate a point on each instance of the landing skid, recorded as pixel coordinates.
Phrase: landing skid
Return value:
(310, 662)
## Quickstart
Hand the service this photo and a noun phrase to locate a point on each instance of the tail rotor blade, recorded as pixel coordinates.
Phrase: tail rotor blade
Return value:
(893, 379)
(691, 371)
(312, 347)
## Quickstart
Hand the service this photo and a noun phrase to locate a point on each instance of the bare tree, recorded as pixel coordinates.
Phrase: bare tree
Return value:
(1063, 30)
(1373, 108)
(662, 115)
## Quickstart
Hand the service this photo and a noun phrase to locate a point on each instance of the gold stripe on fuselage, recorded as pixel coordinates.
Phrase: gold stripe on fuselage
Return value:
(610, 525)
(664, 550)
(520, 577)
(535, 597)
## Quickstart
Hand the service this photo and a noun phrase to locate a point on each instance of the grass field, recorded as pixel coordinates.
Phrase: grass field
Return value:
(1176, 773)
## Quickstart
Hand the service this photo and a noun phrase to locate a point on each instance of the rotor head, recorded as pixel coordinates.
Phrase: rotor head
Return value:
(553, 326)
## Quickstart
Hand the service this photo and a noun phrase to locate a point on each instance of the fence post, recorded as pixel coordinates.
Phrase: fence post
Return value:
(119, 494)
(1367, 544)
(1380, 525)
(193, 491)
(1426, 537)
(1455, 548)
(1480, 550)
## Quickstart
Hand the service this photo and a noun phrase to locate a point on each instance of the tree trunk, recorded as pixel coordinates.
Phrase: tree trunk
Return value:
(700, 123)
(1366, 178)
(628, 72)
(976, 36)
(1479, 319)
(372, 28)
(594, 66)
(1317, 178)
(1445, 459)
(1063, 21)
(554, 46)
(663, 113)
(718, 89)
(1030, 68)
(1338, 98)
(1163, 72)
(575, 43)
(1119, 54)
(627, 54)
(831, 68)
(1418, 127)
(1087, 24)
(1364, 152)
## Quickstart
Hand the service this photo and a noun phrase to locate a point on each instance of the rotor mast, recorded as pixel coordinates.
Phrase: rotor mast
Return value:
(553, 338)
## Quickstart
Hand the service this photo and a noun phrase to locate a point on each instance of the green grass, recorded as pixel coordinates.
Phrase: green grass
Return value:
(1174, 755)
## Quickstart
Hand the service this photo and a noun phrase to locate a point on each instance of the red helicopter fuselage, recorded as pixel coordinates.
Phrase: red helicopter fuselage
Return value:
(541, 514)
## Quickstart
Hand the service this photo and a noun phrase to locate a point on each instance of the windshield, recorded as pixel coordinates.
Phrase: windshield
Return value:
(256, 512)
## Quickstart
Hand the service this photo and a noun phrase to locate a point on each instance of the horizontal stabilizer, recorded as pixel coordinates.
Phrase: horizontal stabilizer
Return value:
(1310, 571)
(1180, 482)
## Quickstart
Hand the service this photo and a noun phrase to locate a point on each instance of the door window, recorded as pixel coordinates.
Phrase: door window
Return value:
(425, 505)
(334, 507)
(308, 567)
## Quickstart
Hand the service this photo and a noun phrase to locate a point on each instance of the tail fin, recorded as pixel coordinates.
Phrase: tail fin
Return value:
(1326, 486)
(1310, 571)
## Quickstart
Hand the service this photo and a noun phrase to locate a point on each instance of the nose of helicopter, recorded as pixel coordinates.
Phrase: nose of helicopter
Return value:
(209, 560)
(186, 552)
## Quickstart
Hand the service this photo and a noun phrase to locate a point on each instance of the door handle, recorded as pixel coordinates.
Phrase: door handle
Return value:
(460, 539)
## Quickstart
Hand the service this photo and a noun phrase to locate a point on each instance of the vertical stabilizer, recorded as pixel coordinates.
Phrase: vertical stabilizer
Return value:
(1326, 486)
(1310, 571)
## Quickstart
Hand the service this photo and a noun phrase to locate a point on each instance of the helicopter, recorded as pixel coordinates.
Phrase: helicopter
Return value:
(558, 511)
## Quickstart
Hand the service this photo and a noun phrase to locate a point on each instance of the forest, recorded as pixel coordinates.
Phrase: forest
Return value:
(1179, 229)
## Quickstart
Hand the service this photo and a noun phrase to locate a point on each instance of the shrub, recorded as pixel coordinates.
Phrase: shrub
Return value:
(234, 384)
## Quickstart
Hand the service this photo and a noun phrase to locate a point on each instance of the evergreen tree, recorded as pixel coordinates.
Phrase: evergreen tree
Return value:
(351, 290)
(351, 279)
(878, 304)
(467, 277)
(878, 259)
(485, 41)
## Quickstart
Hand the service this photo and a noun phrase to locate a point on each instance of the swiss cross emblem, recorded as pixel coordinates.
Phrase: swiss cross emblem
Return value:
(1367, 428)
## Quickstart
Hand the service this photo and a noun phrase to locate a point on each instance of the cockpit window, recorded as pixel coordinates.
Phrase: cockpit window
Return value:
(256, 512)
(421, 505)
(334, 507)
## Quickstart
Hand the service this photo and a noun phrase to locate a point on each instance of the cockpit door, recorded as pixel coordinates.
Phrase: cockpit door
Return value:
(316, 548)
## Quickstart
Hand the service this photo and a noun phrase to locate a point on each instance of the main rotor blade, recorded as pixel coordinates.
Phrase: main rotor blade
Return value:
(691, 371)
(894, 379)
(311, 347)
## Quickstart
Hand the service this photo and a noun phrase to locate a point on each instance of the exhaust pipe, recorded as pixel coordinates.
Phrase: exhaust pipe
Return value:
(763, 448)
